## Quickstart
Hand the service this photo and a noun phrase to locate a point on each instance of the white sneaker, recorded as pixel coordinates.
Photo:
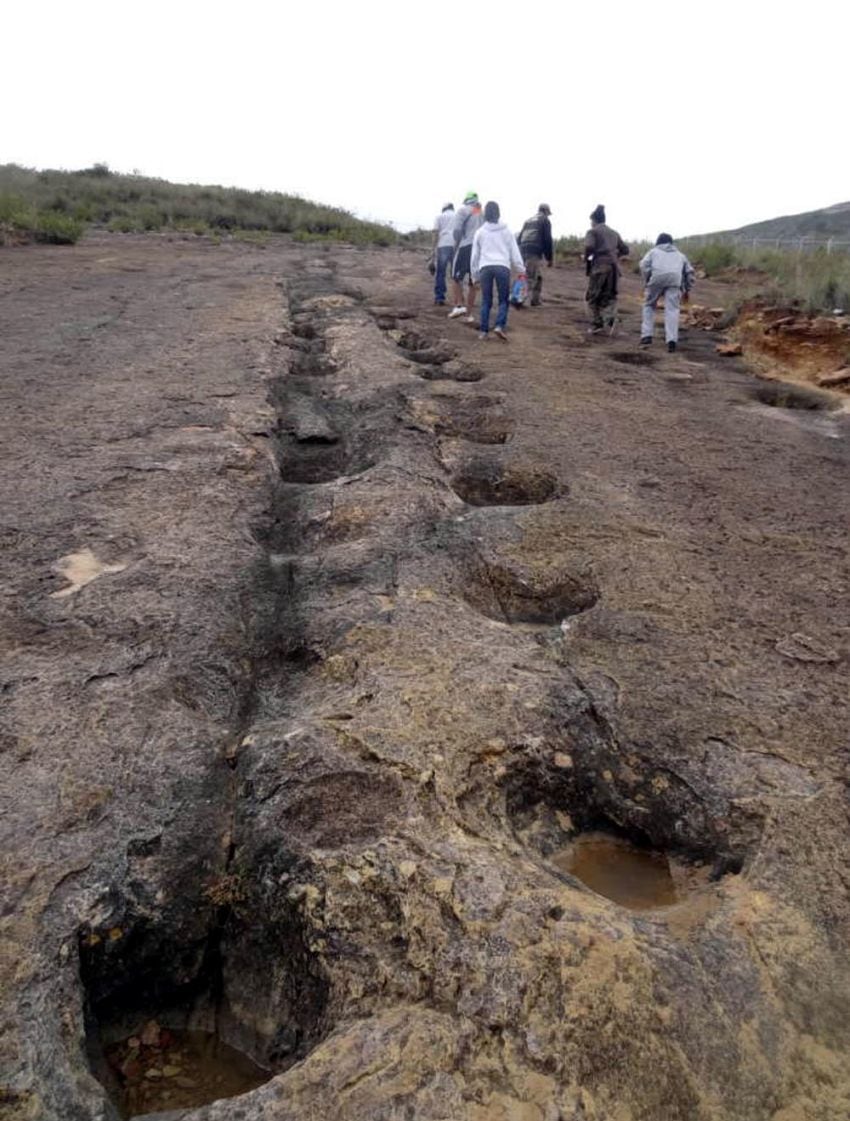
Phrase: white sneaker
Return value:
(456, 312)
(471, 318)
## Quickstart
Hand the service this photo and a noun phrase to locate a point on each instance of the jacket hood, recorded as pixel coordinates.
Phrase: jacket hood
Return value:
(495, 225)
(668, 247)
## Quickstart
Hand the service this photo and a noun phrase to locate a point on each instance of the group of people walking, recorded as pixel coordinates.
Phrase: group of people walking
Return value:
(477, 249)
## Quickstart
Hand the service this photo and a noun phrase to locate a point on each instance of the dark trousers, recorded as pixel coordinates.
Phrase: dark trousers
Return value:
(443, 261)
(501, 277)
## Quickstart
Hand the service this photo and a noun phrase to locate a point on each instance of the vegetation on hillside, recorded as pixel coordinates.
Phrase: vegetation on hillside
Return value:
(58, 205)
(818, 281)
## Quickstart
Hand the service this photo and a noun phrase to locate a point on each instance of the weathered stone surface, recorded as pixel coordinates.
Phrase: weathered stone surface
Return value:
(293, 764)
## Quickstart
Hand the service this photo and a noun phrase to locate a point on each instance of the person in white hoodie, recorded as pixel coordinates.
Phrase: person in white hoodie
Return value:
(666, 272)
(494, 253)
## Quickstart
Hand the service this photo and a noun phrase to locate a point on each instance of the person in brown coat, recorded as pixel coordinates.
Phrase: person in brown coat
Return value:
(603, 248)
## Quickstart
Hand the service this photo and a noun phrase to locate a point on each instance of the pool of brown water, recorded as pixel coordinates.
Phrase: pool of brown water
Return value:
(158, 1069)
(633, 877)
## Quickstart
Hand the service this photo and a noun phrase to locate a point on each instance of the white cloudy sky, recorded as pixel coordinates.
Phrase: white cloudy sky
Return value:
(677, 116)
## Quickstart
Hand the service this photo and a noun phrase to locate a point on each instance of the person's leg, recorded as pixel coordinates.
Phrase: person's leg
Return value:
(471, 293)
(671, 314)
(443, 260)
(486, 280)
(503, 287)
(534, 275)
(459, 270)
(647, 317)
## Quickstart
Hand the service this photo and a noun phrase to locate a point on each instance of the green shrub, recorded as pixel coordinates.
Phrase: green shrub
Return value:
(713, 258)
(57, 229)
(122, 224)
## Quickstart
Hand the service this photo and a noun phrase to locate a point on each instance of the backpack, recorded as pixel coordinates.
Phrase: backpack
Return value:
(529, 235)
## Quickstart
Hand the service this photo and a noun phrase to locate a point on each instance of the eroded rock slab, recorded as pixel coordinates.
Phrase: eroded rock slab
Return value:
(297, 766)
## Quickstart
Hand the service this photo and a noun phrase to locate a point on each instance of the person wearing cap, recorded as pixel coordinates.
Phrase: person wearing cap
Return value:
(494, 253)
(467, 221)
(535, 244)
(603, 248)
(442, 250)
(666, 272)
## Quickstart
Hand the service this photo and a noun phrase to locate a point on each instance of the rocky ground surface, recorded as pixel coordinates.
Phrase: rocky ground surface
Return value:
(325, 627)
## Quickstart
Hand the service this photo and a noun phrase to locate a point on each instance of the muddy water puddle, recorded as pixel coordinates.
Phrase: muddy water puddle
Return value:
(159, 1070)
(636, 878)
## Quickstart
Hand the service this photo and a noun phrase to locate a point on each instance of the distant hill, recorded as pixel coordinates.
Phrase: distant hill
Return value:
(57, 205)
(831, 222)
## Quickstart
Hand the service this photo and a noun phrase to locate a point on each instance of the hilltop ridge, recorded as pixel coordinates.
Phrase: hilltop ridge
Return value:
(830, 221)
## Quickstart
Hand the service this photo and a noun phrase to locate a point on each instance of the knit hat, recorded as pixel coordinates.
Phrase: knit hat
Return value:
(598, 215)
(470, 196)
(664, 239)
(544, 208)
(448, 206)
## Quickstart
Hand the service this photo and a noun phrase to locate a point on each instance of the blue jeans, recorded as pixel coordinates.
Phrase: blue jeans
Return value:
(501, 275)
(443, 261)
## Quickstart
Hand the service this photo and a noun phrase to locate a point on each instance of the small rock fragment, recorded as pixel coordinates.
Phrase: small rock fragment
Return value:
(149, 1034)
(839, 377)
(802, 648)
(729, 350)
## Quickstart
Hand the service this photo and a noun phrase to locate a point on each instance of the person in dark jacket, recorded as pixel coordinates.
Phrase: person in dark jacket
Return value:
(603, 248)
(535, 244)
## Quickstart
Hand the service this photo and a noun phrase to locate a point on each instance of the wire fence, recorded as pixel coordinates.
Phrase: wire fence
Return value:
(797, 244)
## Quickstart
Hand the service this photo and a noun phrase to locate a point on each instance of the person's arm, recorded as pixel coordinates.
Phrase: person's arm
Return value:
(476, 256)
(688, 275)
(458, 227)
(589, 245)
(546, 241)
(436, 236)
(516, 257)
(646, 267)
(622, 248)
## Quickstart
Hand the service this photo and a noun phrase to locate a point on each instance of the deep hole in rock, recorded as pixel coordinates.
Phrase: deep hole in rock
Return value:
(431, 356)
(634, 358)
(487, 482)
(475, 419)
(316, 461)
(178, 1015)
(450, 371)
(782, 395)
(313, 364)
(520, 594)
(303, 327)
(635, 876)
(413, 340)
(648, 846)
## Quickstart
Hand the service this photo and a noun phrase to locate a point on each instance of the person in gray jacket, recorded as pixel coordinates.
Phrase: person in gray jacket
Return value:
(666, 272)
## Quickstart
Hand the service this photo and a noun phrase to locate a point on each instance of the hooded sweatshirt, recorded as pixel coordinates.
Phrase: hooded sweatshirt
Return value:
(494, 244)
(666, 267)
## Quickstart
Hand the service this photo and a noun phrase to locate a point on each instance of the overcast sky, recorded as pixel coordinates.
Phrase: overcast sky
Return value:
(677, 116)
